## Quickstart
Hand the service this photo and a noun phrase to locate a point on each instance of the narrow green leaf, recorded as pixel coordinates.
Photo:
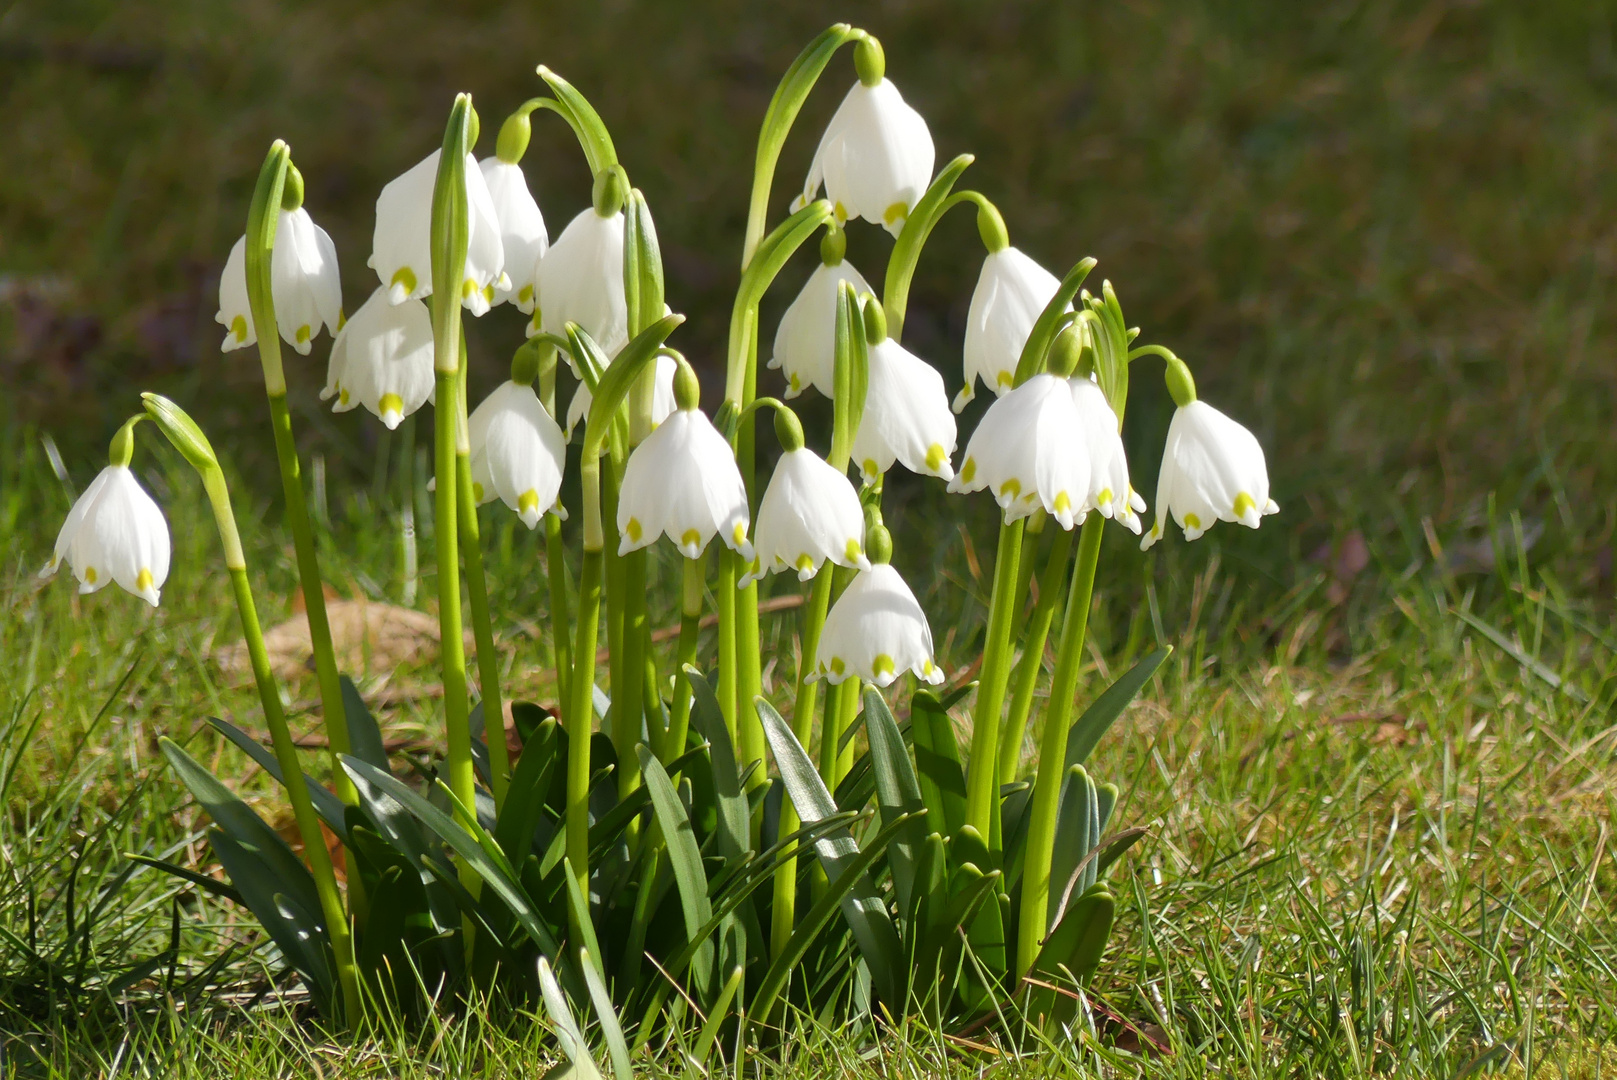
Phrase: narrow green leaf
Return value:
(1031, 361)
(605, 1014)
(734, 829)
(1078, 941)
(685, 857)
(364, 734)
(716, 1017)
(529, 790)
(593, 137)
(937, 763)
(1087, 730)
(898, 793)
(619, 375)
(201, 881)
(326, 804)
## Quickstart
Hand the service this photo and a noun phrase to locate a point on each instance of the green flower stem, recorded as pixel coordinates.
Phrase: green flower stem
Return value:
(629, 681)
(488, 661)
(725, 592)
(924, 217)
(1027, 670)
(1053, 748)
(579, 711)
(692, 579)
(783, 913)
(263, 216)
(285, 750)
(556, 558)
(450, 232)
(982, 780)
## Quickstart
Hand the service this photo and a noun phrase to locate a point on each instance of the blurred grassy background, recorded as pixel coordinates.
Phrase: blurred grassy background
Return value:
(1381, 232)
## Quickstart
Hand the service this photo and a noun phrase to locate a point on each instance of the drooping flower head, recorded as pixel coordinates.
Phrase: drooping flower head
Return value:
(115, 532)
(682, 482)
(580, 279)
(810, 513)
(875, 158)
(382, 359)
(906, 417)
(876, 630)
(1212, 467)
(806, 339)
(522, 230)
(1030, 451)
(517, 452)
(401, 249)
(304, 286)
(1012, 290)
(1110, 490)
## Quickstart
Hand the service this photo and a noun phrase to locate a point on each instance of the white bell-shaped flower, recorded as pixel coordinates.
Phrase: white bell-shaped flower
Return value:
(517, 452)
(809, 513)
(115, 532)
(1011, 292)
(522, 230)
(382, 359)
(1110, 490)
(875, 631)
(401, 249)
(304, 285)
(907, 417)
(1030, 450)
(662, 397)
(682, 482)
(580, 280)
(875, 158)
(1212, 470)
(806, 339)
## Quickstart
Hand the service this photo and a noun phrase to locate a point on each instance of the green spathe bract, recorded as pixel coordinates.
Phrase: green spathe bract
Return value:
(615, 867)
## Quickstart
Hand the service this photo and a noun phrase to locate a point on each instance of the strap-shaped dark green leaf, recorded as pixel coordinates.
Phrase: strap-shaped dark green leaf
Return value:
(606, 1015)
(734, 829)
(618, 376)
(364, 734)
(808, 931)
(862, 906)
(1087, 730)
(1078, 941)
(201, 881)
(297, 930)
(937, 765)
(529, 789)
(898, 793)
(1044, 328)
(686, 859)
(326, 804)
(281, 867)
(465, 844)
(587, 125)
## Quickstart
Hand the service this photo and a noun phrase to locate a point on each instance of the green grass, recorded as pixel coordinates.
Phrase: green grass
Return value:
(1381, 232)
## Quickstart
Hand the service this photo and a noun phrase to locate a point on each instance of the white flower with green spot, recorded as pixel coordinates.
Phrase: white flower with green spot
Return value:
(1012, 291)
(401, 248)
(115, 532)
(810, 513)
(682, 482)
(517, 453)
(906, 418)
(806, 339)
(304, 286)
(875, 158)
(1212, 470)
(382, 359)
(522, 230)
(876, 631)
(1110, 491)
(580, 280)
(1030, 451)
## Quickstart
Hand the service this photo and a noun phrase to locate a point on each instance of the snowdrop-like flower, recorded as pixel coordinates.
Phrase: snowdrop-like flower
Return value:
(1011, 292)
(1212, 470)
(1110, 491)
(662, 397)
(682, 481)
(517, 452)
(875, 158)
(382, 359)
(806, 340)
(1030, 450)
(115, 532)
(304, 286)
(876, 630)
(522, 230)
(906, 418)
(401, 250)
(809, 513)
(580, 279)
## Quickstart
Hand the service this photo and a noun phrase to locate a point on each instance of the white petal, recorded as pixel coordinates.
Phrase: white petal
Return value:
(387, 358)
(809, 513)
(522, 229)
(1012, 291)
(876, 630)
(235, 313)
(401, 247)
(805, 341)
(875, 157)
(580, 279)
(906, 417)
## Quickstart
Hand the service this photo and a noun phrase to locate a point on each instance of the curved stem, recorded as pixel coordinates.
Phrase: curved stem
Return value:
(1053, 748)
(982, 779)
(929, 210)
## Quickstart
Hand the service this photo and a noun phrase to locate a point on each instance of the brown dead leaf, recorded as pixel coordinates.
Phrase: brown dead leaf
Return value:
(369, 637)
(286, 824)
